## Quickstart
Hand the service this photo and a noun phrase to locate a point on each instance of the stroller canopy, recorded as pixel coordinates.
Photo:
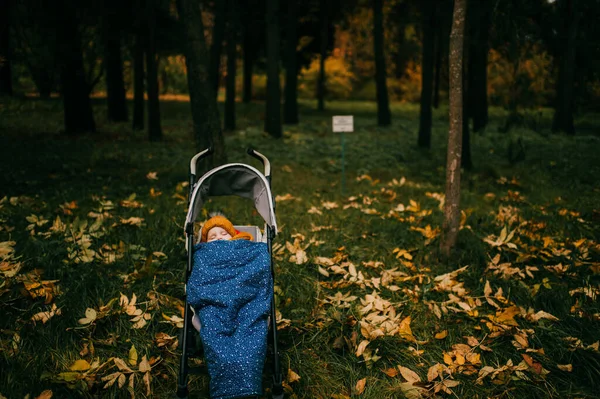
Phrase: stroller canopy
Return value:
(234, 179)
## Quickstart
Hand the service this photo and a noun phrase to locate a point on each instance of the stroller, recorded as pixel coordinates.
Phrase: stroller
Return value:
(240, 180)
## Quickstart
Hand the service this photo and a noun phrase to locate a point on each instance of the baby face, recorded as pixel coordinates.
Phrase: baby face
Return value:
(217, 233)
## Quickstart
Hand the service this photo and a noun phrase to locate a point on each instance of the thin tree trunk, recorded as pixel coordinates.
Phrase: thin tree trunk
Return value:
(438, 66)
(384, 116)
(563, 112)
(78, 113)
(205, 114)
(479, 24)
(427, 75)
(154, 127)
(115, 86)
(323, 41)
(290, 107)
(217, 45)
(452, 204)
(273, 103)
(138, 81)
(5, 54)
(232, 28)
(248, 67)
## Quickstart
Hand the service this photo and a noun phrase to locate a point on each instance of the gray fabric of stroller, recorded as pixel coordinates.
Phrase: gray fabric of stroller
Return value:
(234, 179)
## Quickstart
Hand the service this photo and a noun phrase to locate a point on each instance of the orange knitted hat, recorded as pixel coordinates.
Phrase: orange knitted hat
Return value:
(225, 224)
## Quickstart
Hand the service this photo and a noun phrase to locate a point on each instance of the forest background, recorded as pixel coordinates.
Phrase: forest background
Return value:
(102, 105)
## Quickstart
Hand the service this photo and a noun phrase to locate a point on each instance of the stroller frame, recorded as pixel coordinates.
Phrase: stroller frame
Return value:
(271, 230)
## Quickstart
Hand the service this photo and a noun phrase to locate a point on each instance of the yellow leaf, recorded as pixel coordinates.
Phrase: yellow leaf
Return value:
(565, 367)
(292, 376)
(147, 383)
(487, 291)
(460, 359)
(122, 379)
(361, 347)
(69, 376)
(120, 363)
(404, 329)
(391, 372)
(47, 394)
(111, 378)
(411, 391)
(447, 359)
(90, 316)
(133, 356)
(433, 372)
(409, 375)
(360, 386)
(473, 358)
(144, 365)
(80, 365)
(441, 335)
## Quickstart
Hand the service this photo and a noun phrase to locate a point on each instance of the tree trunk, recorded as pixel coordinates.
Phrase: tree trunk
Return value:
(451, 207)
(290, 107)
(115, 86)
(479, 27)
(438, 65)
(154, 127)
(427, 74)
(563, 112)
(248, 66)
(384, 116)
(217, 45)
(323, 42)
(402, 55)
(5, 54)
(232, 28)
(78, 114)
(138, 81)
(252, 34)
(205, 114)
(273, 103)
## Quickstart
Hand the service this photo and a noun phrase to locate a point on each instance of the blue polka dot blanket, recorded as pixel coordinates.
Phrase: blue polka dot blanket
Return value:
(231, 289)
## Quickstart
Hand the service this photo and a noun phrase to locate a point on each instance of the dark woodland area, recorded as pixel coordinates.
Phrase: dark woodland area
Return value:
(446, 245)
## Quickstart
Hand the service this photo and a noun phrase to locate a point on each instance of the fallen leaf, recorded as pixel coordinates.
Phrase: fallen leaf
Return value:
(292, 377)
(391, 372)
(144, 365)
(90, 316)
(536, 366)
(80, 365)
(133, 356)
(47, 394)
(360, 386)
(565, 367)
(441, 334)
(409, 375)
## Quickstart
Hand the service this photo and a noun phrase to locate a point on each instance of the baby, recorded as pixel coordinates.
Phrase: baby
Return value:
(220, 228)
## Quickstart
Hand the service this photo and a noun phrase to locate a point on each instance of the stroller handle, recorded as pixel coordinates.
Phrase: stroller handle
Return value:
(261, 158)
(198, 157)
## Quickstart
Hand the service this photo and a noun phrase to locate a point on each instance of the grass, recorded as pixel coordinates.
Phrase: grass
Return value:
(550, 200)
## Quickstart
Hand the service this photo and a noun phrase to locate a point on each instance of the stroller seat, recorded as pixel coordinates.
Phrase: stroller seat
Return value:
(216, 304)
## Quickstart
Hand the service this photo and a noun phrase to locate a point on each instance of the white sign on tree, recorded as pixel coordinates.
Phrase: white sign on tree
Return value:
(343, 123)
